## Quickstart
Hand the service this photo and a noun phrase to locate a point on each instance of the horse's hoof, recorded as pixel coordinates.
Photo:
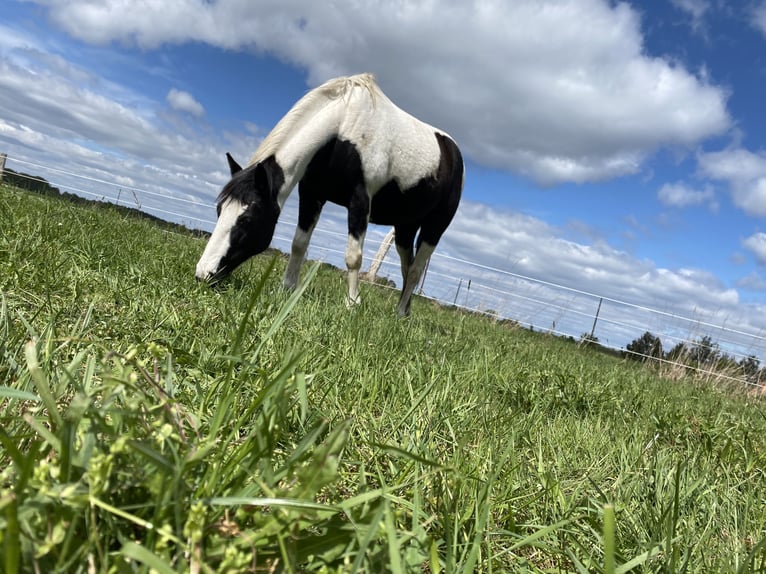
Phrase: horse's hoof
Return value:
(353, 302)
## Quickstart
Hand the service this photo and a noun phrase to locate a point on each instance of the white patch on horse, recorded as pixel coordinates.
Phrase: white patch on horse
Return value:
(219, 242)
(393, 144)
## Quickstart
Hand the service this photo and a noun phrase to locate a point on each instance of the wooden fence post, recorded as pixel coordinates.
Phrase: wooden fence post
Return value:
(380, 256)
(3, 157)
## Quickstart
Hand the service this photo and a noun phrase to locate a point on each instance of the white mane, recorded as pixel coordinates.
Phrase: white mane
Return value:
(307, 106)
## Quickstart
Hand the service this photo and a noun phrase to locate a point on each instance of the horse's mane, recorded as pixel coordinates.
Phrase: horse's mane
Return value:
(313, 100)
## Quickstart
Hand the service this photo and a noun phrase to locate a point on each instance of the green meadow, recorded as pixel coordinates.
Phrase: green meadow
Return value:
(149, 423)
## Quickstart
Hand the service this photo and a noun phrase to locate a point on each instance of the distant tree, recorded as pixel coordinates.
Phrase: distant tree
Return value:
(645, 347)
(679, 353)
(726, 363)
(704, 352)
(751, 367)
(29, 182)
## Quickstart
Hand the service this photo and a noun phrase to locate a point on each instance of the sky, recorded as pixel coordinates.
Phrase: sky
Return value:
(614, 150)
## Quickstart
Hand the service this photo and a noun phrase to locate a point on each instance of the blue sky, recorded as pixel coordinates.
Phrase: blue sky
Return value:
(615, 148)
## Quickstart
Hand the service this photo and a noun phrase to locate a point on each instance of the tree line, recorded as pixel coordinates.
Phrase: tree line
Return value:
(703, 354)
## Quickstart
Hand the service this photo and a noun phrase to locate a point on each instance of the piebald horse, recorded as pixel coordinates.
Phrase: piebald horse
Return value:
(347, 143)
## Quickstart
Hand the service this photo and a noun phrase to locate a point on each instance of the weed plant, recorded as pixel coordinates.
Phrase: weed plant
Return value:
(150, 423)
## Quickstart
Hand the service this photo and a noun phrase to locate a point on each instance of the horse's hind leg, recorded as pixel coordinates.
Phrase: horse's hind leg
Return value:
(404, 237)
(309, 208)
(414, 273)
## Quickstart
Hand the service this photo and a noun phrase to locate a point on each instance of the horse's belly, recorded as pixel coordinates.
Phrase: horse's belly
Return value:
(392, 206)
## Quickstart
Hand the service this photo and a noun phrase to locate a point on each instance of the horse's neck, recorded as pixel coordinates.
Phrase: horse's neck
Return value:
(300, 146)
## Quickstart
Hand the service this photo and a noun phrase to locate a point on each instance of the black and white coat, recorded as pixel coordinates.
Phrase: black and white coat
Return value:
(347, 143)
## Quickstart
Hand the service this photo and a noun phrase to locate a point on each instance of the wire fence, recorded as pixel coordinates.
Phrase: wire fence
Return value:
(533, 303)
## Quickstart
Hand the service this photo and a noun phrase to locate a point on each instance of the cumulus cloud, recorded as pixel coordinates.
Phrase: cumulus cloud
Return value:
(559, 91)
(536, 249)
(756, 245)
(681, 195)
(744, 172)
(184, 102)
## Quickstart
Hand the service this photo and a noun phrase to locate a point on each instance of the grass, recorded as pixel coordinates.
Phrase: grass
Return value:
(149, 423)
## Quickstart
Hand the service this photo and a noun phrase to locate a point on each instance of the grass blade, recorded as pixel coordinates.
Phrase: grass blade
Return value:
(144, 556)
(41, 383)
(11, 536)
(9, 393)
(266, 502)
(609, 539)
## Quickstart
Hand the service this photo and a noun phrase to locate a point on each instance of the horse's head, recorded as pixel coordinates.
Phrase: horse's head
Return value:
(247, 215)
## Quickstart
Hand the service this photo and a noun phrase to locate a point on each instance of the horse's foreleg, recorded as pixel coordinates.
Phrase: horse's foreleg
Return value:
(309, 208)
(354, 264)
(297, 257)
(414, 273)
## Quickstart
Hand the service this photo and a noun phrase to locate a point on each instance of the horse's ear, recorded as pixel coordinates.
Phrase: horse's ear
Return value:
(234, 167)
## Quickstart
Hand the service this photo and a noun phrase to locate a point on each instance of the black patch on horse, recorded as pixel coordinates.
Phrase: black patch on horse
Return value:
(335, 174)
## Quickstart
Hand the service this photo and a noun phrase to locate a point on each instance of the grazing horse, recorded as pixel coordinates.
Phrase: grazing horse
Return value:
(347, 143)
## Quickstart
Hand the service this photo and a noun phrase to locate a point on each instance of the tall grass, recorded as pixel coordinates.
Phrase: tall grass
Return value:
(150, 423)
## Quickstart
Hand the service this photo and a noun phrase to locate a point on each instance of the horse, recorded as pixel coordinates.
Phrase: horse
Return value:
(345, 142)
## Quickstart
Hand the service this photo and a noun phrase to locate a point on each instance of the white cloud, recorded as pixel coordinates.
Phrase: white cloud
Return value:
(533, 248)
(756, 244)
(681, 195)
(184, 102)
(758, 15)
(696, 9)
(557, 91)
(745, 174)
(753, 282)
(71, 117)
(13, 39)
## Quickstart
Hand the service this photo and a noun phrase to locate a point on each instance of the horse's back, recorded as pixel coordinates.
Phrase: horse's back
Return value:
(412, 171)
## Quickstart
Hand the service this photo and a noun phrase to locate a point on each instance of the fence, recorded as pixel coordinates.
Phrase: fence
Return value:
(531, 302)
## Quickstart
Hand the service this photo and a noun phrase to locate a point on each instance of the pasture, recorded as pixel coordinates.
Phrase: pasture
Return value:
(149, 423)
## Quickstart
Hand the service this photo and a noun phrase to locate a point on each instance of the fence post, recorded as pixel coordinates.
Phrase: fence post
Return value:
(598, 310)
(3, 157)
(380, 256)
(458, 291)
